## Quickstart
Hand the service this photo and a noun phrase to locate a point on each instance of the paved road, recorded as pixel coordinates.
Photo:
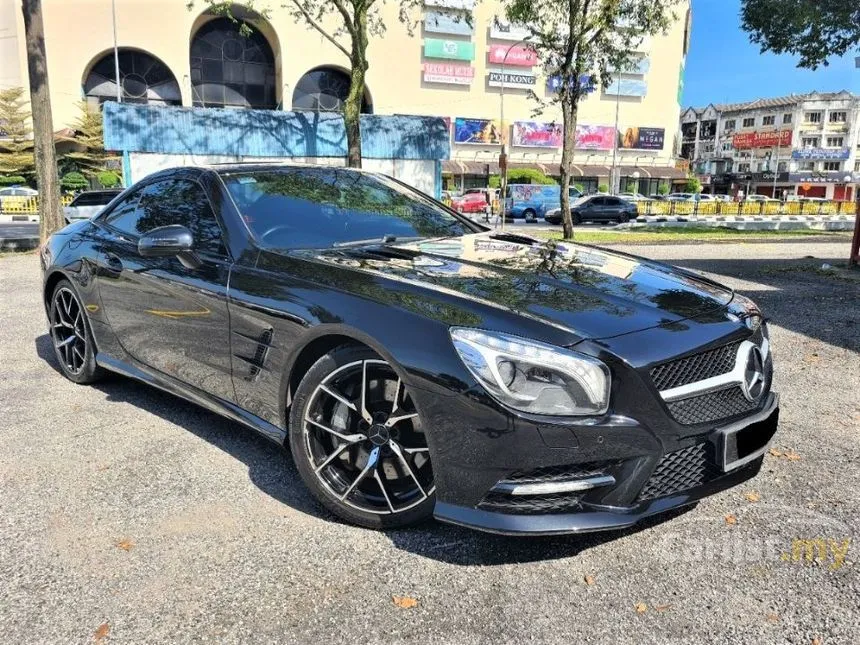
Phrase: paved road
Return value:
(222, 544)
(18, 229)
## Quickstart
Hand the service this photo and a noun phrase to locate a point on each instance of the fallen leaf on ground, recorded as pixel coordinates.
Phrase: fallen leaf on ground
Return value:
(102, 631)
(640, 607)
(775, 453)
(404, 602)
(731, 519)
(125, 544)
(772, 618)
(662, 607)
(812, 358)
(791, 455)
(816, 641)
(589, 580)
(752, 496)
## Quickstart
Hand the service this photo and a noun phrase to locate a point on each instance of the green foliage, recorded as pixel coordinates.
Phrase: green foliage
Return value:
(16, 146)
(523, 176)
(663, 189)
(814, 30)
(74, 181)
(90, 156)
(580, 188)
(108, 179)
(603, 188)
(694, 185)
(12, 180)
(632, 186)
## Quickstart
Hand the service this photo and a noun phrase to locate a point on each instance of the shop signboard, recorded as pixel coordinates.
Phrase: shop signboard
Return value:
(821, 154)
(497, 78)
(448, 73)
(518, 55)
(447, 22)
(773, 139)
(451, 49)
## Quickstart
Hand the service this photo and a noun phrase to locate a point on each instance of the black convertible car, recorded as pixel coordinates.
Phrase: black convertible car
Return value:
(416, 363)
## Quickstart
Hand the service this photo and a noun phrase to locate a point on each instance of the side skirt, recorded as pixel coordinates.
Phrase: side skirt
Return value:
(173, 386)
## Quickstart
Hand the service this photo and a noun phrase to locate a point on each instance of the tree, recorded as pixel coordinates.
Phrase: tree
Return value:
(74, 181)
(663, 189)
(16, 146)
(91, 158)
(50, 217)
(814, 30)
(580, 42)
(694, 185)
(348, 25)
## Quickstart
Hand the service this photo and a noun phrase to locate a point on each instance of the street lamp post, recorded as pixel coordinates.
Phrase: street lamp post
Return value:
(116, 54)
(503, 157)
(615, 179)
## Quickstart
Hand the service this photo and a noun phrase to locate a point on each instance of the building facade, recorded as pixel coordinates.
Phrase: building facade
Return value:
(461, 70)
(802, 145)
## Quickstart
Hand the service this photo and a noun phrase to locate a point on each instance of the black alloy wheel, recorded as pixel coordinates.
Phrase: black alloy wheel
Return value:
(71, 336)
(358, 441)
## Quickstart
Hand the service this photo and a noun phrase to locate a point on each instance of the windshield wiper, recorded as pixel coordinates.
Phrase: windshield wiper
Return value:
(385, 239)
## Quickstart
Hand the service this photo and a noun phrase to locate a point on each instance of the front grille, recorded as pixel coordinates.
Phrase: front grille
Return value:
(713, 406)
(680, 471)
(695, 368)
(530, 504)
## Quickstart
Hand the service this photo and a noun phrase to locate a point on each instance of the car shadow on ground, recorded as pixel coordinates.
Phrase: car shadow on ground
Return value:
(271, 469)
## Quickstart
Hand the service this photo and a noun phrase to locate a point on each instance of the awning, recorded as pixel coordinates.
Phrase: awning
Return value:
(460, 167)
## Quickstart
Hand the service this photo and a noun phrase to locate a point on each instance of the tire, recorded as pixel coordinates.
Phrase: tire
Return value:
(624, 218)
(530, 215)
(333, 445)
(71, 336)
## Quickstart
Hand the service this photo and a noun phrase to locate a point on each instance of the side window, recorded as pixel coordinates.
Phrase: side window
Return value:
(125, 215)
(180, 201)
(598, 201)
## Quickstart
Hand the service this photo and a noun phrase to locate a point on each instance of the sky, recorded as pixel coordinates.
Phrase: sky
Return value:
(724, 67)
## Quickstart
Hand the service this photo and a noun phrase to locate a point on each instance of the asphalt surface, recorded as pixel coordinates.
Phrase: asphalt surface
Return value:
(130, 516)
(19, 229)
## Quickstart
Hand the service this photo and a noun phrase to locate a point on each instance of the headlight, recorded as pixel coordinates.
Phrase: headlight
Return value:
(534, 377)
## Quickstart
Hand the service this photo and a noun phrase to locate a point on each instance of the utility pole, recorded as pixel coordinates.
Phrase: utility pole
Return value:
(116, 54)
(615, 179)
(50, 217)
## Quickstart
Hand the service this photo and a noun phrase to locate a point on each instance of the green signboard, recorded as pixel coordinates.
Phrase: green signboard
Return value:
(451, 49)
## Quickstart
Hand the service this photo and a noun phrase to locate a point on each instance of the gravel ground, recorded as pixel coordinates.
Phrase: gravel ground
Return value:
(127, 515)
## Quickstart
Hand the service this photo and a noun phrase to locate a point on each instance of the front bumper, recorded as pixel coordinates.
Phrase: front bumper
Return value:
(737, 449)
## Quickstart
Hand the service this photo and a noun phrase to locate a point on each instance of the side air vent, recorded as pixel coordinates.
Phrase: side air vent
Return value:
(261, 346)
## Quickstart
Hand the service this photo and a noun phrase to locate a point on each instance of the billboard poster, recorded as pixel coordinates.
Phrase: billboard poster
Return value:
(823, 154)
(536, 135)
(446, 22)
(496, 77)
(448, 73)
(501, 30)
(642, 139)
(586, 84)
(453, 49)
(595, 137)
(478, 131)
(517, 55)
(780, 139)
(627, 87)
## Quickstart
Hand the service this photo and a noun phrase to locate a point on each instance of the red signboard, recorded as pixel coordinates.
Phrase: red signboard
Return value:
(780, 139)
(517, 55)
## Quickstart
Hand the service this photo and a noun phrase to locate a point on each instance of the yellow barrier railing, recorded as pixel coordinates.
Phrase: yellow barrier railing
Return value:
(730, 209)
(14, 205)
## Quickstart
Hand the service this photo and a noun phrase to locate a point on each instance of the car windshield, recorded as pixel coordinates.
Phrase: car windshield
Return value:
(300, 208)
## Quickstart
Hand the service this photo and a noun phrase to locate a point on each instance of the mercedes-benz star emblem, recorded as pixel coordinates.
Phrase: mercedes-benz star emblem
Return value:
(753, 385)
(378, 435)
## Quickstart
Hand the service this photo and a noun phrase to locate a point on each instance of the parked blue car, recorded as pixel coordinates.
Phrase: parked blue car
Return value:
(532, 201)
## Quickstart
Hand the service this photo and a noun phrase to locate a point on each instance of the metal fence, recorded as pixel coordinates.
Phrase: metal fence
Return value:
(13, 205)
(671, 209)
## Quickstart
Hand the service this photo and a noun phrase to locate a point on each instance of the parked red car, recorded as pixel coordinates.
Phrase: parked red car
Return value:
(473, 200)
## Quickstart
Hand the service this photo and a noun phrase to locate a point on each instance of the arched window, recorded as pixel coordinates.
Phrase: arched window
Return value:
(229, 69)
(324, 90)
(144, 79)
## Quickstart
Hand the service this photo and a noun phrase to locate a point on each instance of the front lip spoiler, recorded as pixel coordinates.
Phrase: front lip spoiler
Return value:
(586, 521)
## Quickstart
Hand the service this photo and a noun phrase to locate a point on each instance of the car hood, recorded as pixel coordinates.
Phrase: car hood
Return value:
(589, 291)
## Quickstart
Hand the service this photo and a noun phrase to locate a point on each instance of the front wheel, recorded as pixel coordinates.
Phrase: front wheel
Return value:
(358, 441)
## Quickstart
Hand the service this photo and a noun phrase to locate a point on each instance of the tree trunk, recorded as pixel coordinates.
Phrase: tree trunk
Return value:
(355, 98)
(570, 110)
(50, 216)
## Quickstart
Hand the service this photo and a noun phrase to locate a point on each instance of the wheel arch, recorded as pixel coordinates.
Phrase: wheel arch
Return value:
(318, 345)
(51, 282)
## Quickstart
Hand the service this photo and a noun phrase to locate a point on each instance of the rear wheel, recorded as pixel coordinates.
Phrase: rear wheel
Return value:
(624, 218)
(530, 215)
(71, 336)
(358, 441)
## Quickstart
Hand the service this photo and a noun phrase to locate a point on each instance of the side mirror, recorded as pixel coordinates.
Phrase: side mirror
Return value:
(165, 241)
(169, 241)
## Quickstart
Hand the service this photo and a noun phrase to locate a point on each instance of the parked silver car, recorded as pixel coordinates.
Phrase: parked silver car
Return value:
(89, 204)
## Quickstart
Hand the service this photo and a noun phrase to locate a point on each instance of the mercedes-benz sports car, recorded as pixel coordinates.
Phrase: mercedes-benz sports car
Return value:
(415, 362)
